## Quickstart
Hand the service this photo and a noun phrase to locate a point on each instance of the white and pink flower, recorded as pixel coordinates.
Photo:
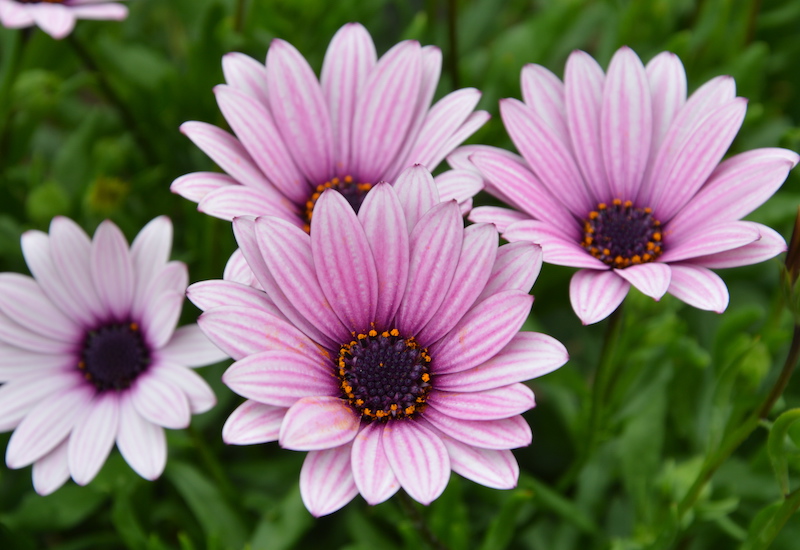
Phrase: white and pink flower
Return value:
(57, 17)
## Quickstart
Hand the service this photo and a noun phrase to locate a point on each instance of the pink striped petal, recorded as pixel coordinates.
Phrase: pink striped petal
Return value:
(242, 331)
(326, 480)
(556, 249)
(14, 15)
(702, 152)
(26, 339)
(23, 300)
(384, 224)
(215, 293)
(478, 252)
(651, 279)
(460, 158)
(189, 347)
(584, 83)
(384, 111)
(20, 396)
(718, 238)
(595, 294)
(46, 425)
(550, 159)
(626, 125)
(112, 270)
(349, 59)
(102, 12)
(667, 80)
(227, 152)
(254, 126)
(528, 355)
(301, 115)
(502, 402)
(246, 75)
(281, 377)
(160, 317)
(56, 20)
(51, 471)
(481, 333)
(699, 287)
(339, 240)
(197, 185)
(70, 249)
(198, 392)
(417, 192)
(229, 202)
(768, 246)
(473, 123)
(435, 246)
(543, 92)
(93, 438)
(150, 252)
(236, 270)
(316, 423)
(499, 216)
(497, 469)
(253, 423)
(504, 433)
(516, 267)
(735, 188)
(458, 184)
(526, 192)
(16, 363)
(287, 252)
(371, 471)
(418, 459)
(142, 443)
(160, 401)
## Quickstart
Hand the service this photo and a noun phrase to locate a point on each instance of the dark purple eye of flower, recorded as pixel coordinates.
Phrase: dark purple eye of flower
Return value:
(113, 356)
(621, 235)
(383, 375)
(352, 191)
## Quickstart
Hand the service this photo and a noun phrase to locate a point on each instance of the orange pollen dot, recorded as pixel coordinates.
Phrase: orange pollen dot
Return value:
(352, 191)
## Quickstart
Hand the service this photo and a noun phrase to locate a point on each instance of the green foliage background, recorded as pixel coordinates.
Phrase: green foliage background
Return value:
(683, 380)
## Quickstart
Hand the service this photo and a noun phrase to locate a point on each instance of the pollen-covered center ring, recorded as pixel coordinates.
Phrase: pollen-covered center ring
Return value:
(621, 235)
(352, 191)
(383, 375)
(113, 356)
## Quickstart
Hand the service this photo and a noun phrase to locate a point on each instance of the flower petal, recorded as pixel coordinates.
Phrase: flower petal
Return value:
(246, 75)
(160, 318)
(281, 377)
(93, 438)
(142, 443)
(316, 423)
(301, 115)
(501, 402)
(197, 185)
(516, 267)
(56, 20)
(497, 469)
(651, 279)
(717, 238)
(227, 203)
(371, 471)
(189, 347)
(699, 287)
(417, 192)
(51, 471)
(499, 216)
(528, 355)
(768, 246)
(326, 480)
(543, 92)
(112, 270)
(198, 392)
(667, 80)
(70, 249)
(215, 293)
(23, 300)
(418, 459)
(23, 394)
(504, 433)
(160, 401)
(252, 423)
(481, 333)
(458, 184)
(17, 363)
(596, 294)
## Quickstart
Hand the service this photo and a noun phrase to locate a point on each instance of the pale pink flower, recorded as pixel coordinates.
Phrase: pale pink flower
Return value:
(57, 17)
(89, 353)
(385, 343)
(363, 122)
(620, 176)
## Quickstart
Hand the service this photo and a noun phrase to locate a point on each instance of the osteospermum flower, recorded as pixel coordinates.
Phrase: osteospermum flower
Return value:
(89, 353)
(57, 17)
(620, 175)
(384, 343)
(362, 122)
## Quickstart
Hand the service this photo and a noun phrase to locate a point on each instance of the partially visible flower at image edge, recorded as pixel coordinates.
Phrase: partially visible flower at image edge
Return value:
(89, 352)
(386, 343)
(620, 175)
(57, 17)
(362, 122)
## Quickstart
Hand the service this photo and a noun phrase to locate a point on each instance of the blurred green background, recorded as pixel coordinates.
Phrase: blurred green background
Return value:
(683, 378)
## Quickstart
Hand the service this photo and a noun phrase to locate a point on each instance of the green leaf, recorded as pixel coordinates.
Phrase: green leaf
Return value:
(63, 509)
(777, 449)
(501, 530)
(284, 525)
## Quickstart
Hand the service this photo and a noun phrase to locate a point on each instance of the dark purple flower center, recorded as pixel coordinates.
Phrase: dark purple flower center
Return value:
(352, 191)
(621, 235)
(383, 375)
(113, 356)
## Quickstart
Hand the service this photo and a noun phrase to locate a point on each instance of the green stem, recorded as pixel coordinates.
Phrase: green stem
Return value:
(791, 503)
(418, 521)
(128, 117)
(214, 467)
(601, 390)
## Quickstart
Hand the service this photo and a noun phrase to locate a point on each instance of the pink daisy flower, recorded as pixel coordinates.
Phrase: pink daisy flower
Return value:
(57, 17)
(362, 122)
(89, 353)
(620, 176)
(385, 344)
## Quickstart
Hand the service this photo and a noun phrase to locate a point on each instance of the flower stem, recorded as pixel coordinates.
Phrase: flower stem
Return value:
(790, 505)
(418, 521)
(128, 118)
(601, 389)
(213, 465)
